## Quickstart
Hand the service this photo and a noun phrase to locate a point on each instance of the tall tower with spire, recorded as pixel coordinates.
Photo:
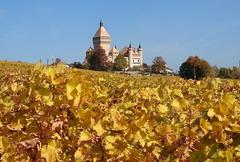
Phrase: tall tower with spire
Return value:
(102, 39)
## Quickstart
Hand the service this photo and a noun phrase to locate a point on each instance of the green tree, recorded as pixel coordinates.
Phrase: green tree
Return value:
(159, 65)
(215, 71)
(235, 72)
(232, 72)
(120, 63)
(77, 65)
(86, 64)
(195, 68)
(224, 73)
(109, 66)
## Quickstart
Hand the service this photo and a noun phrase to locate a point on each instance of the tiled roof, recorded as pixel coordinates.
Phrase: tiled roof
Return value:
(124, 51)
(101, 32)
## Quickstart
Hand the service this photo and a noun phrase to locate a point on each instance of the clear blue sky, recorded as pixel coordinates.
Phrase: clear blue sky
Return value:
(174, 29)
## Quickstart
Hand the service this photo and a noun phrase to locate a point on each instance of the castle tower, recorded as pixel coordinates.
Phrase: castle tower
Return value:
(140, 52)
(130, 55)
(102, 39)
(135, 56)
(114, 52)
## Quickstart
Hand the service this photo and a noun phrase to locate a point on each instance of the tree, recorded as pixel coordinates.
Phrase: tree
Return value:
(224, 73)
(57, 61)
(195, 68)
(120, 63)
(86, 64)
(109, 66)
(159, 65)
(76, 65)
(235, 73)
(215, 71)
(146, 67)
(97, 60)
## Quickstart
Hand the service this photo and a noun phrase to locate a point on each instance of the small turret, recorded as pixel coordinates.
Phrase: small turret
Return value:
(139, 46)
(90, 49)
(130, 45)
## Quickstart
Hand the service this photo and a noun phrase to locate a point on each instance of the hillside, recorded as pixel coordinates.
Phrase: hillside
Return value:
(63, 114)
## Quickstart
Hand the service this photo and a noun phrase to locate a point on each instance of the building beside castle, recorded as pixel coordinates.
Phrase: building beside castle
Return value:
(102, 40)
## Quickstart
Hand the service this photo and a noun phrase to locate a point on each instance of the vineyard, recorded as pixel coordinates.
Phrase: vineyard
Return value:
(62, 114)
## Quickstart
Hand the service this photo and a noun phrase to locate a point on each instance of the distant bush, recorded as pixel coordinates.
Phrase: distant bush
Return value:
(235, 73)
(136, 68)
(232, 73)
(76, 65)
(224, 73)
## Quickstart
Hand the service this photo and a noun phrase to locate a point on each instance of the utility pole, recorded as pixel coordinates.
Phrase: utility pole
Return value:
(194, 73)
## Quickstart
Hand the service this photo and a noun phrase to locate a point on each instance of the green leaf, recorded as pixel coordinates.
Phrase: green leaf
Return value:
(197, 156)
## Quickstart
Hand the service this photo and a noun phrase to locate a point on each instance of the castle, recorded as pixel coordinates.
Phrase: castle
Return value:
(102, 40)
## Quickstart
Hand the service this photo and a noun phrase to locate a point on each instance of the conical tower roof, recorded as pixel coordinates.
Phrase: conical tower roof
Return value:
(90, 49)
(114, 50)
(101, 32)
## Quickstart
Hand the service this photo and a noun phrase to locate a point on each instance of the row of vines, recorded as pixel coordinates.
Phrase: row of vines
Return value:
(61, 114)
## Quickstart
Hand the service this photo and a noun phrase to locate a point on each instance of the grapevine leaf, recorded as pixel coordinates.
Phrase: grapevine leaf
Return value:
(211, 113)
(99, 128)
(117, 120)
(205, 126)
(85, 136)
(178, 92)
(162, 109)
(49, 151)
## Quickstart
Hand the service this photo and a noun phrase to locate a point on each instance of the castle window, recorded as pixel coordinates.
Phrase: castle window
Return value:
(136, 61)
